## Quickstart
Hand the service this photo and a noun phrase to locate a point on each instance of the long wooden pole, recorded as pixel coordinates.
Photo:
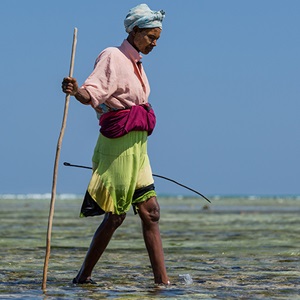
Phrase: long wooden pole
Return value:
(53, 195)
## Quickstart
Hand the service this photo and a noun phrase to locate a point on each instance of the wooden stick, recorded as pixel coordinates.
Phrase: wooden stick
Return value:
(62, 131)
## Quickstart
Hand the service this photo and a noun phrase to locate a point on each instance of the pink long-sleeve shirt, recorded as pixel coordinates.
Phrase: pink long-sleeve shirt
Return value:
(117, 81)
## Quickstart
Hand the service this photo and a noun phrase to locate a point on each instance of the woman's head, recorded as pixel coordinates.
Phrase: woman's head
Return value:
(144, 39)
(144, 27)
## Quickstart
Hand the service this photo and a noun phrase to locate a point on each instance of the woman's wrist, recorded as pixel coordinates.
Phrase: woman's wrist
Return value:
(82, 96)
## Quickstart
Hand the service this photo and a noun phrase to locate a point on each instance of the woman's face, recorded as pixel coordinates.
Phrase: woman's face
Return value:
(145, 39)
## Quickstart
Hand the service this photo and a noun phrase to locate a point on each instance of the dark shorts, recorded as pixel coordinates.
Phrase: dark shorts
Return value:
(90, 207)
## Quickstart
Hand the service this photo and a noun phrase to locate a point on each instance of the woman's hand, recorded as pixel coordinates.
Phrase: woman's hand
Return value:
(70, 86)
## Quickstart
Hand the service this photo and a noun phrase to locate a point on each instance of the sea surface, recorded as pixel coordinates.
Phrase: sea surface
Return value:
(233, 248)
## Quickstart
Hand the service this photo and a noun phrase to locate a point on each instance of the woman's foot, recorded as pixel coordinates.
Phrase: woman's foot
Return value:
(87, 281)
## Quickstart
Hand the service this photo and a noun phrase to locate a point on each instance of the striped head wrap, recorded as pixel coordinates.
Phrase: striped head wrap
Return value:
(143, 17)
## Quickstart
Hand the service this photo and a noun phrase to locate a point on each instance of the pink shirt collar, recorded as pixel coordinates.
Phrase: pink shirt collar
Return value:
(130, 51)
(114, 84)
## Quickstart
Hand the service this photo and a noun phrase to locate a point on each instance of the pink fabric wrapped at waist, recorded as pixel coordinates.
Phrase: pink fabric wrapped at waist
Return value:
(117, 123)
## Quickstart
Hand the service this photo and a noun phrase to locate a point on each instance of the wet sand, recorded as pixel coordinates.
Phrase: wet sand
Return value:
(235, 248)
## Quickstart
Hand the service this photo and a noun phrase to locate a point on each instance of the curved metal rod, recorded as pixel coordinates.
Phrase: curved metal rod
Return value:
(155, 175)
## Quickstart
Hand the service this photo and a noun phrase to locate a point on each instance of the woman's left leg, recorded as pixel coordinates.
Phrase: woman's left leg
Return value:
(99, 243)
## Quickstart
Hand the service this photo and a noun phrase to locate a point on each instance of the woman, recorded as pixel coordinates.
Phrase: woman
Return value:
(118, 90)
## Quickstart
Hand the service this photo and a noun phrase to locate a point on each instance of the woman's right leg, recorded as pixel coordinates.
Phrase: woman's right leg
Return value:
(149, 212)
(99, 243)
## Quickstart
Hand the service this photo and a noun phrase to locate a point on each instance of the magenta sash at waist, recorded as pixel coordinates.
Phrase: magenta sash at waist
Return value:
(118, 123)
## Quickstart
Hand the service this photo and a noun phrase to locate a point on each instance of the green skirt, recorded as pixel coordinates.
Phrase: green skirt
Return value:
(121, 167)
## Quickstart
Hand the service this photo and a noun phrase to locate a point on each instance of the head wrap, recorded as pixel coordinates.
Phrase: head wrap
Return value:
(143, 17)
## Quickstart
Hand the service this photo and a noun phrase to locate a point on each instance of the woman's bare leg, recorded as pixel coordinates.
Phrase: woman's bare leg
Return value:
(149, 212)
(99, 243)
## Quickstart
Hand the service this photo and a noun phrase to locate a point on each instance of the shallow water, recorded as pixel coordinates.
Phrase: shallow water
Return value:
(235, 248)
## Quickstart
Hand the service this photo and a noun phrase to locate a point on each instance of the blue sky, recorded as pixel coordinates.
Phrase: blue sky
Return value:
(224, 85)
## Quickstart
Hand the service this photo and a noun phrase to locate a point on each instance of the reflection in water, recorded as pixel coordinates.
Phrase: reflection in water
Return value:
(235, 248)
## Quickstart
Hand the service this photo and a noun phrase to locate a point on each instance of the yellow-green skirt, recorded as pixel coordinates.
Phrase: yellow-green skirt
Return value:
(121, 167)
